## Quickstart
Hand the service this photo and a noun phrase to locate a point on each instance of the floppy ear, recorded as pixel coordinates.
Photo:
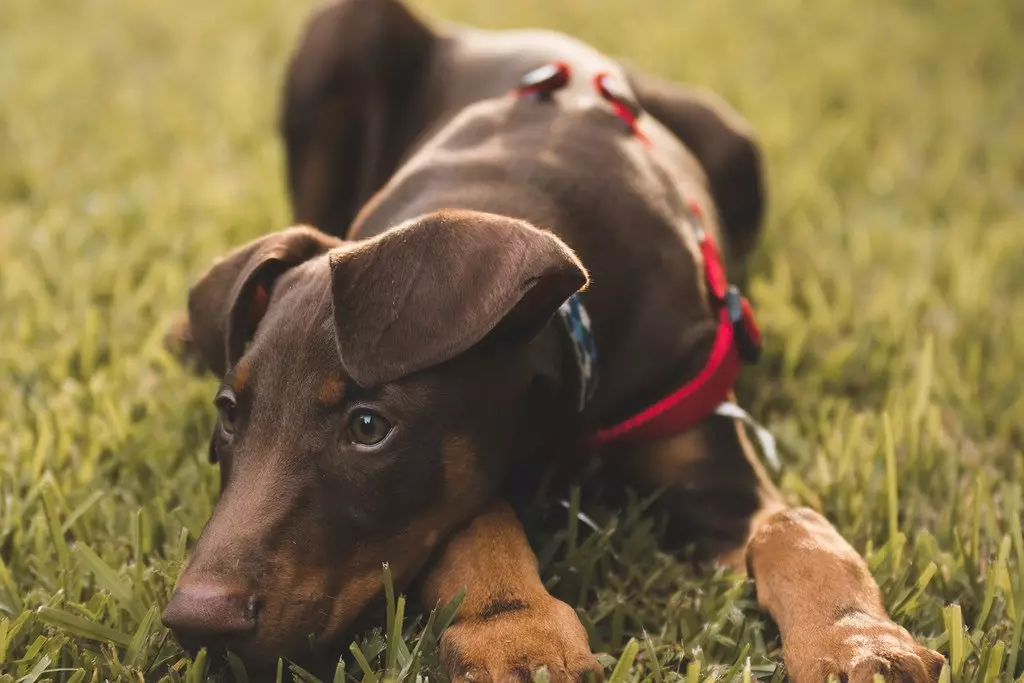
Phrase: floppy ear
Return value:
(352, 105)
(229, 301)
(422, 293)
(724, 145)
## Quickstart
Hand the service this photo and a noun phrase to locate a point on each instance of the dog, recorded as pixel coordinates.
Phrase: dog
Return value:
(519, 256)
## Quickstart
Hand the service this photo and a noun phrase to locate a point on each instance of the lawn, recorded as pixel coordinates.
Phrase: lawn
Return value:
(137, 143)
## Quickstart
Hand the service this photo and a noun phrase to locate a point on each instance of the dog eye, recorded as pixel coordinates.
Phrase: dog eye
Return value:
(367, 428)
(227, 409)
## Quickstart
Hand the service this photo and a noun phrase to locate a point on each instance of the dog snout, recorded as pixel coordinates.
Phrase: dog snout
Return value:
(204, 613)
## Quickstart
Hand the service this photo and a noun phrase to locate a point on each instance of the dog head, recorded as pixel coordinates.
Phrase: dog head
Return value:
(372, 394)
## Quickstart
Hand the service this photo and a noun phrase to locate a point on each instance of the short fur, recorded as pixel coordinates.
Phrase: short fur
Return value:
(452, 220)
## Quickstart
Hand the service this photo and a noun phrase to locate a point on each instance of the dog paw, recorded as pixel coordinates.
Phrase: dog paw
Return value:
(511, 641)
(855, 648)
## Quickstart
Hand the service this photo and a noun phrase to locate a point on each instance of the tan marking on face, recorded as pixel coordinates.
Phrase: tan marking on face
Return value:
(330, 390)
(408, 550)
(348, 589)
(240, 375)
(298, 590)
(405, 557)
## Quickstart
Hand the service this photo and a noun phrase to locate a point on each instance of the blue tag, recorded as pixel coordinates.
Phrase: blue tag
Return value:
(577, 323)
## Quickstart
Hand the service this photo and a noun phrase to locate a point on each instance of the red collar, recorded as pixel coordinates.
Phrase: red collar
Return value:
(738, 339)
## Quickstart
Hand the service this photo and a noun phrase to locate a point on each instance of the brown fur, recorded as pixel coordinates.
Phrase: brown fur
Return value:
(453, 219)
(508, 626)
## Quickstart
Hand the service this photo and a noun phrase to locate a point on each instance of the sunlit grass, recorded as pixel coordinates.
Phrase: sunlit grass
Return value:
(137, 143)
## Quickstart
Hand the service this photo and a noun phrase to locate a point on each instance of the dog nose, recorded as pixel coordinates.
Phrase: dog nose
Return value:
(199, 613)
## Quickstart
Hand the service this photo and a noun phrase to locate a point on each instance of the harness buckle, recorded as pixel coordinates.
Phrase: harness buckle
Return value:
(744, 327)
(543, 81)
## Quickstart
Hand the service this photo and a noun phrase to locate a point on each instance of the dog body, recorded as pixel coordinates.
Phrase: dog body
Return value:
(387, 374)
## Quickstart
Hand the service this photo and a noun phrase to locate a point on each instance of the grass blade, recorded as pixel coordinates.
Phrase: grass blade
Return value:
(36, 671)
(81, 627)
(447, 613)
(138, 644)
(368, 675)
(10, 591)
(82, 508)
(625, 662)
(995, 662)
(197, 669)
(4, 626)
(300, 675)
(738, 664)
(1018, 632)
(414, 657)
(109, 579)
(955, 628)
(60, 544)
(181, 549)
(652, 655)
(892, 489)
(238, 672)
(389, 593)
(395, 639)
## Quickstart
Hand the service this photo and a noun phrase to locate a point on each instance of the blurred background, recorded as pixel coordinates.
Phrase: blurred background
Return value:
(137, 142)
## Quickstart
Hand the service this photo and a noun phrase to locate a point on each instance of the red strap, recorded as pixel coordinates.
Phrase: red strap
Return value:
(698, 398)
(689, 404)
(625, 108)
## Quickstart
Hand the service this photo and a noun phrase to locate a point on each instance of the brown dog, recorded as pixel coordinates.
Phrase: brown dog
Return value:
(383, 378)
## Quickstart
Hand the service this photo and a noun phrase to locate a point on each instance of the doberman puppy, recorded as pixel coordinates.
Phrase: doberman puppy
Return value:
(385, 375)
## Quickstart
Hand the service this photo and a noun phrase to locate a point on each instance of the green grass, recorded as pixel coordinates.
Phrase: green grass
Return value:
(137, 142)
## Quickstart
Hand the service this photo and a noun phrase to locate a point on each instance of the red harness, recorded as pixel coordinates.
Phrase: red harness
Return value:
(738, 339)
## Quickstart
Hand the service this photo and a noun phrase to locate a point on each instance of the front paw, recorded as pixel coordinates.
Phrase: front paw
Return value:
(855, 648)
(510, 640)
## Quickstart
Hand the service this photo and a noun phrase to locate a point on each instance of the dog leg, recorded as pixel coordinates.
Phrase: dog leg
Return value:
(508, 625)
(812, 582)
(827, 606)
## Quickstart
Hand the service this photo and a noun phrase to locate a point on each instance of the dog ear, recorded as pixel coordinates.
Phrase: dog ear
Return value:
(424, 292)
(351, 106)
(228, 302)
(723, 143)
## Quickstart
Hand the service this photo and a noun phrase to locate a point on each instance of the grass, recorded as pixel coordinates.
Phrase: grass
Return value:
(137, 143)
